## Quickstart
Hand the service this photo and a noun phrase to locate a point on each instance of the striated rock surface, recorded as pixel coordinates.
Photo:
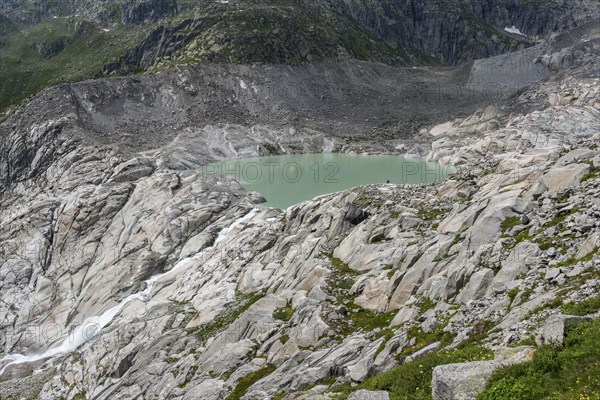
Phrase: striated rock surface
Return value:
(126, 273)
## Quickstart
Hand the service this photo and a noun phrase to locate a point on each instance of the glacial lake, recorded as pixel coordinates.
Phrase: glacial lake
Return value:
(290, 179)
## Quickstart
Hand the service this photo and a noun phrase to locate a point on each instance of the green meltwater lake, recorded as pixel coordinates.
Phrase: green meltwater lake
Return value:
(290, 179)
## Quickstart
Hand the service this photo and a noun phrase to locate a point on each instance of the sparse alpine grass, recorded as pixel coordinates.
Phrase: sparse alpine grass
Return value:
(564, 372)
(412, 381)
(243, 384)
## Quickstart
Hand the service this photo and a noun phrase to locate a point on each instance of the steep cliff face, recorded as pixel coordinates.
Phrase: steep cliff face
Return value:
(414, 32)
(251, 32)
(147, 11)
(456, 31)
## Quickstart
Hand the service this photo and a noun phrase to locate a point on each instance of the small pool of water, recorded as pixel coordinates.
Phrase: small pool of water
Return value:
(290, 179)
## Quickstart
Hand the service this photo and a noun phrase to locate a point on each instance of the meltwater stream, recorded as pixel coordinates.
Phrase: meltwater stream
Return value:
(92, 326)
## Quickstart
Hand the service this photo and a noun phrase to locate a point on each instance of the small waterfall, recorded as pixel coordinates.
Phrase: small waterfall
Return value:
(92, 326)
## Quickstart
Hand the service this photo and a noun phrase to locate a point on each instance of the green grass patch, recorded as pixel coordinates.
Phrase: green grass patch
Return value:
(557, 302)
(357, 318)
(188, 376)
(424, 339)
(585, 307)
(386, 334)
(425, 304)
(284, 313)
(226, 318)
(512, 293)
(528, 341)
(180, 303)
(431, 214)
(26, 68)
(456, 240)
(341, 279)
(574, 260)
(326, 382)
(369, 320)
(412, 381)
(510, 222)
(571, 371)
(593, 174)
(340, 266)
(518, 238)
(559, 219)
(243, 384)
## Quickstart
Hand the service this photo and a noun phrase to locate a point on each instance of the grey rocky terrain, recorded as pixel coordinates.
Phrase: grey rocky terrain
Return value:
(125, 273)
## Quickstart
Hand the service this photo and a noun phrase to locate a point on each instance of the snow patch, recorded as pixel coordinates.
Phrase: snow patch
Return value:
(514, 30)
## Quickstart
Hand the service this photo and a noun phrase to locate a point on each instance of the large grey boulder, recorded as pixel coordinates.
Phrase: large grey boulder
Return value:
(553, 331)
(477, 286)
(518, 262)
(576, 155)
(462, 381)
(210, 389)
(465, 381)
(405, 314)
(369, 395)
(432, 348)
(558, 179)
(587, 247)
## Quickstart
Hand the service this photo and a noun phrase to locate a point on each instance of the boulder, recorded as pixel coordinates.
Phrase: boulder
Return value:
(477, 287)
(551, 273)
(575, 156)
(433, 347)
(465, 381)
(355, 215)
(584, 223)
(516, 263)
(405, 314)
(374, 297)
(558, 179)
(462, 381)
(588, 246)
(369, 395)
(460, 219)
(211, 389)
(419, 272)
(553, 331)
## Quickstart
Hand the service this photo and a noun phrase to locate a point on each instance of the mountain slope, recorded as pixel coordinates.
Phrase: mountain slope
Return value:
(59, 42)
(128, 274)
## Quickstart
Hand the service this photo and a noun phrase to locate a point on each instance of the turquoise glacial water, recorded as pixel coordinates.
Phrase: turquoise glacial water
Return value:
(290, 179)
